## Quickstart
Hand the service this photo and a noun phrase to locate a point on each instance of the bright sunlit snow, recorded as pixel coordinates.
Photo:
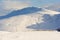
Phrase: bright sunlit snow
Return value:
(34, 35)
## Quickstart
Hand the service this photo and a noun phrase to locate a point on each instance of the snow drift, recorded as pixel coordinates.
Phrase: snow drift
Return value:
(42, 35)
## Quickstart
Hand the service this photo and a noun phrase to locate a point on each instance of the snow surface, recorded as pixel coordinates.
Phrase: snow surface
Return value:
(32, 35)
(15, 28)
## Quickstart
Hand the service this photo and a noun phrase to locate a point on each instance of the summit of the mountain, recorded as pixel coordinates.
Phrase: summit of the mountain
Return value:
(28, 10)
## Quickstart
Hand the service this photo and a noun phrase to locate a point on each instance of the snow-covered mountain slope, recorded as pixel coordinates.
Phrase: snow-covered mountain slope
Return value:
(50, 12)
(16, 21)
(19, 23)
(24, 11)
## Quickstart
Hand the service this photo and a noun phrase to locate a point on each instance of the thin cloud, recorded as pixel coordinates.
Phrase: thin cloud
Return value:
(14, 5)
(8, 6)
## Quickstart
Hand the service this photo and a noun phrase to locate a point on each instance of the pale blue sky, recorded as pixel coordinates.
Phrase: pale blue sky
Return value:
(41, 2)
(36, 2)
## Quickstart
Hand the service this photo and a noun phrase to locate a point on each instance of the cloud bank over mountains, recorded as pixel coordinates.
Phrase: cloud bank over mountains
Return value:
(8, 6)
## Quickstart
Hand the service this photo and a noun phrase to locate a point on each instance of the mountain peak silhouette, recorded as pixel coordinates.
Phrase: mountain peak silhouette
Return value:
(23, 11)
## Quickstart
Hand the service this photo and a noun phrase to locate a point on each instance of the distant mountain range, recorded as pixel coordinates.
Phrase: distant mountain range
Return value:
(24, 11)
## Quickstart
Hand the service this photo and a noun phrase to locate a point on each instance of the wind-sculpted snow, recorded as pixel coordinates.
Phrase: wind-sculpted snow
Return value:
(50, 23)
